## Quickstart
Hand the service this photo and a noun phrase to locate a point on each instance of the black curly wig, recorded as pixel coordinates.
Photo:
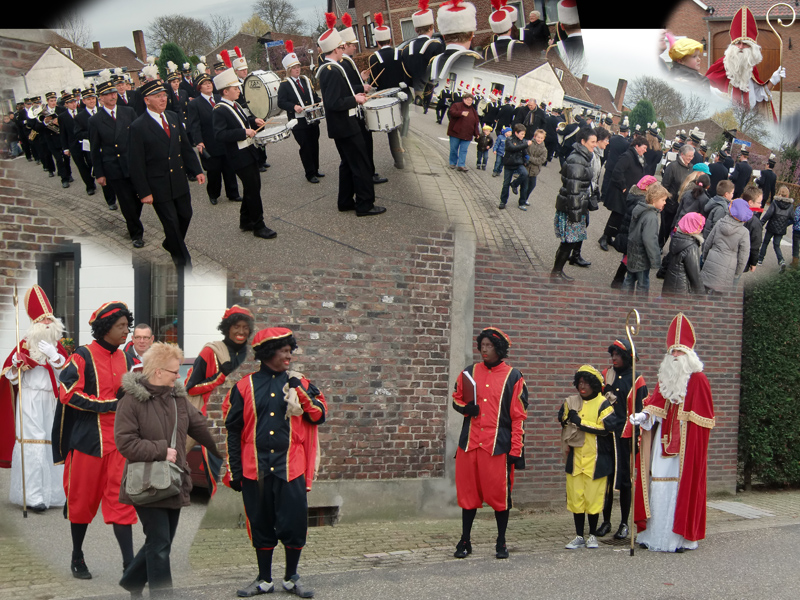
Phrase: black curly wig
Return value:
(226, 324)
(268, 349)
(499, 342)
(594, 382)
(101, 327)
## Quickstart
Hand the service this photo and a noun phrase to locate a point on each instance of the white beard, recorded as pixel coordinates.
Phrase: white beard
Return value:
(739, 64)
(674, 374)
(48, 332)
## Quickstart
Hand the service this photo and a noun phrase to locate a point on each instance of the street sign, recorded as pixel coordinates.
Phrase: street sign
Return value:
(273, 44)
(741, 142)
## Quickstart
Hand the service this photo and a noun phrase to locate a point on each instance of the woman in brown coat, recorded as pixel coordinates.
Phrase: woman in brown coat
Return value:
(143, 431)
(463, 128)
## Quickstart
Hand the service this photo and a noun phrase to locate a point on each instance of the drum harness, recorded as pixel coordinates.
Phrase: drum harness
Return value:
(357, 109)
(231, 108)
(297, 93)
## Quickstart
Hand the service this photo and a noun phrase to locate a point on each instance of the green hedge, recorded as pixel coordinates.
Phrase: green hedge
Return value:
(769, 414)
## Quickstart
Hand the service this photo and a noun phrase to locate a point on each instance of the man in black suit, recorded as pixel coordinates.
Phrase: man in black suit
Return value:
(90, 109)
(570, 41)
(108, 141)
(419, 52)
(342, 102)
(766, 182)
(718, 173)
(236, 130)
(177, 99)
(212, 152)
(71, 144)
(187, 83)
(19, 120)
(505, 116)
(159, 159)
(504, 46)
(551, 133)
(127, 96)
(741, 173)
(294, 95)
(53, 156)
(443, 103)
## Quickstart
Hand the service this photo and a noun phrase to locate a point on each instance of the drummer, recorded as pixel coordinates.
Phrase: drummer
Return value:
(386, 71)
(294, 95)
(233, 128)
(342, 102)
(240, 66)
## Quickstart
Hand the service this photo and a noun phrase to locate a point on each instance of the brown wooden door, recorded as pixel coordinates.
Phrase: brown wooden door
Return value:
(770, 50)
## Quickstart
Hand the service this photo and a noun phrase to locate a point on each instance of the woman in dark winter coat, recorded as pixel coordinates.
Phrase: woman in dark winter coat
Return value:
(572, 202)
(145, 419)
(464, 126)
(635, 194)
(778, 217)
(694, 199)
(627, 172)
(654, 154)
(683, 273)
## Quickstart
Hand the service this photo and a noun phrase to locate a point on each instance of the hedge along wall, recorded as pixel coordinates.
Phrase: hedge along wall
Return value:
(556, 328)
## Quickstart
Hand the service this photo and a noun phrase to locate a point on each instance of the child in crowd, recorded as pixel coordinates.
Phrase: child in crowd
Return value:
(500, 149)
(683, 270)
(513, 164)
(726, 250)
(754, 197)
(643, 249)
(777, 219)
(718, 206)
(485, 142)
(537, 157)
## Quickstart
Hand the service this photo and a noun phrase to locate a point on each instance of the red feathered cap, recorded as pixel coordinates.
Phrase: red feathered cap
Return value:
(289, 45)
(269, 334)
(330, 20)
(347, 20)
(238, 52)
(680, 335)
(226, 58)
(237, 310)
(379, 19)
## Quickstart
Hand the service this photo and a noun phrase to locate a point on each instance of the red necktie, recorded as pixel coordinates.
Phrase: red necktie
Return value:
(113, 116)
(300, 85)
(164, 123)
(210, 99)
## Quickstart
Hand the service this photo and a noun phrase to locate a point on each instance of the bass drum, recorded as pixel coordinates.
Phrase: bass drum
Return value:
(260, 90)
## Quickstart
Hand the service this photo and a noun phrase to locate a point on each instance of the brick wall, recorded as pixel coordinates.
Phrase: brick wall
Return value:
(555, 329)
(374, 337)
(26, 233)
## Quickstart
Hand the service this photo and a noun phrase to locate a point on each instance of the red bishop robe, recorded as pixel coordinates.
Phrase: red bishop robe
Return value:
(719, 79)
(8, 398)
(685, 430)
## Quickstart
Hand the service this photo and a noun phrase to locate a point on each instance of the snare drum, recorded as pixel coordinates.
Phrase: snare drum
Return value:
(382, 114)
(260, 90)
(314, 113)
(271, 135)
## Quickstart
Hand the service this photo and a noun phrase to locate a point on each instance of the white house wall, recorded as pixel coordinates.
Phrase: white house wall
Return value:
(543, 85)
(204, 302)
(53, 72)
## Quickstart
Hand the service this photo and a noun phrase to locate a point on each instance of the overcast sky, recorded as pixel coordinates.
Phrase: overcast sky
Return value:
(112, 21)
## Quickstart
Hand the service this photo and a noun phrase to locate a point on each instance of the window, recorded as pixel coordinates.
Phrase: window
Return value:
(548, 10)
(497, 87)
(58, 275)
(369, 40)
(164, 303)
(559, 73)
(522, 17)
(67, 51)
(407, 29)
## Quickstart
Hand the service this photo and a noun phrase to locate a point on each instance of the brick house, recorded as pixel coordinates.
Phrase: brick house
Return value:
(125, 58)
(608, 102)
(709, 22)
(397, 16)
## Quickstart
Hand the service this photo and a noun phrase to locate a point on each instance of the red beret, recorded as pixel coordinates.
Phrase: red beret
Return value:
(109, 308)
(269, 334)
(237, 310)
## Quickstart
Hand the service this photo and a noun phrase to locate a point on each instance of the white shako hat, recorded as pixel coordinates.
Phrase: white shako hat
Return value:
(456, 17)
(512, 10)
(568, 12)
(424, 16)
(228, 77)
(330, 40)
(291, 58)
(348, 34)
(382, 33)
(500, 20)
(239, 62)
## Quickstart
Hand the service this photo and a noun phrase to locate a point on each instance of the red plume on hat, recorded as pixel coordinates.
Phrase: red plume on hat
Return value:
(497, 4)
(226, 58)
(347, 20)
(330, 20)
(454, 6)
(379, 19)
(289, 45)
(238, 52)
(423, 4)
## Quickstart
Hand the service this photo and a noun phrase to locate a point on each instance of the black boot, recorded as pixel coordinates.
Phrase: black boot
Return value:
(603, 241)
(562, 255)
(576, 258)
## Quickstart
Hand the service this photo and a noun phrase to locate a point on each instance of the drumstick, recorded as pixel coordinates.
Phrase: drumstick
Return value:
(375, 79)
(265, 124)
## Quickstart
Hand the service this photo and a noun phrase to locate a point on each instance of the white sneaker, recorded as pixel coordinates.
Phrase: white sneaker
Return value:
(591, 542)
(578, 542)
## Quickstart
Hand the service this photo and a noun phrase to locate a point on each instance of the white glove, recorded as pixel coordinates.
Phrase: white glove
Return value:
(403, 96)
(638, 418)
(49, 351)
(780, 73)
(15, 360)
(404, 85)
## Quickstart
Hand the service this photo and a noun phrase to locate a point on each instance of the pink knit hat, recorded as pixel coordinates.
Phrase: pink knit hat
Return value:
(646, 181)
(692, 223)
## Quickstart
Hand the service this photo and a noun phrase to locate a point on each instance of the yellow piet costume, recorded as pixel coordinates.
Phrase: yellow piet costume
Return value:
(591, 455)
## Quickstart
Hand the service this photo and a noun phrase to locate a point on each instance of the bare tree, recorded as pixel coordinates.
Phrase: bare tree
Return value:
(192, 35)
(750, 121)
(694, 108)
(575, 62)
(280, 15)
(665, 99)
(72, 26)
(317, 26)
(222, 29)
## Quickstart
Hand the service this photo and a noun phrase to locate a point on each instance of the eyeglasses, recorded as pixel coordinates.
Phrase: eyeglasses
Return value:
(173, 372)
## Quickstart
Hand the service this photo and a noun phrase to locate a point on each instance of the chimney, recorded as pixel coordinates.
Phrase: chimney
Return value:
(138, 44)
(619, 97)
(584, 80)
(96, 48)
